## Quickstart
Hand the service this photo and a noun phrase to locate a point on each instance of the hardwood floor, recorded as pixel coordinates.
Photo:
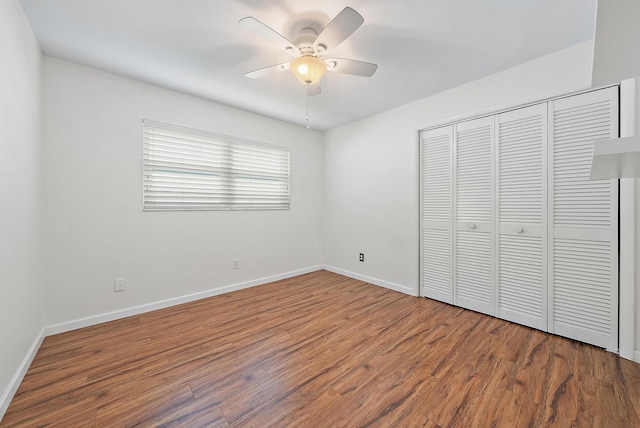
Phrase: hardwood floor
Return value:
(322, 350)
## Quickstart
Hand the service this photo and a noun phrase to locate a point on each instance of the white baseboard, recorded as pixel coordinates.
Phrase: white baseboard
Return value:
(386, 284)
(636, 358)
(137, 310)
(10, 391)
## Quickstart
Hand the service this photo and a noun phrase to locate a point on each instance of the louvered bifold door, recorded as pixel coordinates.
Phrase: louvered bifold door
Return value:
(522, 216)
(474, 255)
(583, 233)
(437, 213)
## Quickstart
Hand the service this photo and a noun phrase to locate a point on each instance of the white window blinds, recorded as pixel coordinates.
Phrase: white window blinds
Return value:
(186, 169)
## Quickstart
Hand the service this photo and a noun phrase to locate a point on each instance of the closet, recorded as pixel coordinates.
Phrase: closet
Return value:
(511, 225)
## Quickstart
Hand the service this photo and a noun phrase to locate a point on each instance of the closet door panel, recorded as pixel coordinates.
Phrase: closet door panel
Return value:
(436, 151)
(474, 271)
(474, 180)
(474, 257)
(520, 276)
(584, 236)
(521, 213)
(582, 294)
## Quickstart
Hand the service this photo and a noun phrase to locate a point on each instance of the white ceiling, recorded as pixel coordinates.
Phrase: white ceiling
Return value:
(197, 47)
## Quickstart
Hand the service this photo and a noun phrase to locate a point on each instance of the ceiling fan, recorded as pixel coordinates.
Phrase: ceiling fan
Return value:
(308, 50)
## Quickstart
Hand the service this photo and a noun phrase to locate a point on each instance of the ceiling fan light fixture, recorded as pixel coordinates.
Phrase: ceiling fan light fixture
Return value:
(308, 69)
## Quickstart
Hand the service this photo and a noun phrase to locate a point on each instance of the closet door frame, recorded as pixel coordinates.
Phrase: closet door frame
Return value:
(617, 323)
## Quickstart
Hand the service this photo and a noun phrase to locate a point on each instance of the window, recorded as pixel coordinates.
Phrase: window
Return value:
(187, 169)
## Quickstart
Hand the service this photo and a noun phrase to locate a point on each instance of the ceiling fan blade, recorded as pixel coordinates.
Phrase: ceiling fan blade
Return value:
(351, 66)
(314, 89)
(268, 33)
(265, 71)
(340, 27)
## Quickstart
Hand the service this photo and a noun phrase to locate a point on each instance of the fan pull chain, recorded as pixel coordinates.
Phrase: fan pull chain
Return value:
(307, 117)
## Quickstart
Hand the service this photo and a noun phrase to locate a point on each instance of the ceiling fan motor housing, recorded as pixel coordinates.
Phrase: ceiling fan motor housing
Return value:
(305, 43)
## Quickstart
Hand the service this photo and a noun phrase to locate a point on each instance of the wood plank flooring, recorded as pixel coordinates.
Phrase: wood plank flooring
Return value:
(322, 350)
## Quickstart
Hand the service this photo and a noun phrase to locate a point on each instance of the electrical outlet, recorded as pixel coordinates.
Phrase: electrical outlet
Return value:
(235, 264)
(118, 285)
(362, 257)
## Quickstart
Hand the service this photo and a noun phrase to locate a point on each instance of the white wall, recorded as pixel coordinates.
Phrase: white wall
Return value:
(371, 189)
(616, 26)
(21, 301)
(96, 230)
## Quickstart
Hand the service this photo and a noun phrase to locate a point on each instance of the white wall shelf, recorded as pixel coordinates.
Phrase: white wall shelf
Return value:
(616, 158)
